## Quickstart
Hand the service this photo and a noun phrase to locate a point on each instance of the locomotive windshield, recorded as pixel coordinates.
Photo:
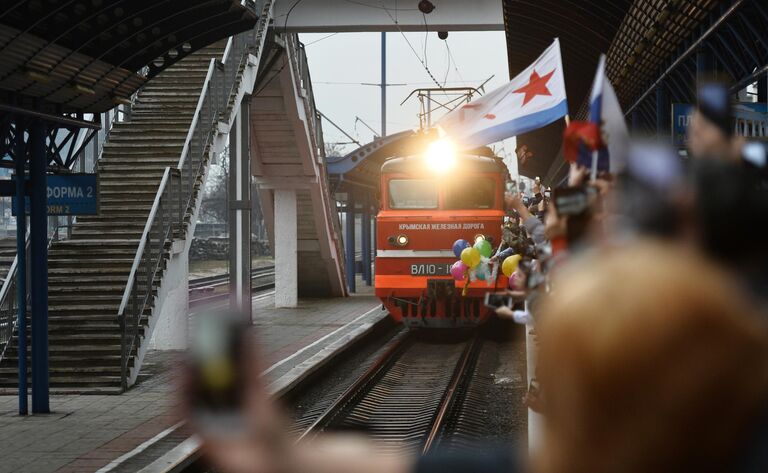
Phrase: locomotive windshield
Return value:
(413, 194)
(470, 193)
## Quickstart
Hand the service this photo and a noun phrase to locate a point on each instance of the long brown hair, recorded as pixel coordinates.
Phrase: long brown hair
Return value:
(650, 361)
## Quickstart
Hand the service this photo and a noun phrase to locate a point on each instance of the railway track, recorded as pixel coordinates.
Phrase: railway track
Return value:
(409, 399)
(214, 288)
(413, 395)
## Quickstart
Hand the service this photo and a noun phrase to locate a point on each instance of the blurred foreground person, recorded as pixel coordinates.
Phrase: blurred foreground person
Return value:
(651, 361)
(710, 135)
(731, 204)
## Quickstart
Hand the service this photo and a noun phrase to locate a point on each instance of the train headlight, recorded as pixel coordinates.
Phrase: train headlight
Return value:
(479, 237)
(441, 155)
(401, 240)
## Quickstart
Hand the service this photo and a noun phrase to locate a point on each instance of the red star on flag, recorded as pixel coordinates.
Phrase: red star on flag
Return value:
(536, 86)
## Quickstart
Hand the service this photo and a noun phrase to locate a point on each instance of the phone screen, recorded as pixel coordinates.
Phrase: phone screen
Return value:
(217, 385)
(494, 300)
(571, 201)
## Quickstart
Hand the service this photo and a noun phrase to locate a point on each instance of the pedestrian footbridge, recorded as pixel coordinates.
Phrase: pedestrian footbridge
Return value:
(118, 284)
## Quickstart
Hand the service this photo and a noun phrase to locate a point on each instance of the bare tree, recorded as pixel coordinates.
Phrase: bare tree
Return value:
(215, 207)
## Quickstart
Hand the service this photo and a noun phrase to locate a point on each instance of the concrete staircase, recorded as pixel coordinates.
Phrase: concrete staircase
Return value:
(88, 273)
(7, 254)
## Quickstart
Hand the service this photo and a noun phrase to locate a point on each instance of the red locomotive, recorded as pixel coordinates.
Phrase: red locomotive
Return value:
(427, 203)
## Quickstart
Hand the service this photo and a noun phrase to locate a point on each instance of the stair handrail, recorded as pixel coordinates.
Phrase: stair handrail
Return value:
(160, 232)
(216, 95)
(209, 105)
(8, 316)
(303, 84)
(143, 239)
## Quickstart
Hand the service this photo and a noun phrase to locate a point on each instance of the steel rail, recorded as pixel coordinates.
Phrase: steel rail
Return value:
(261, 287)
(223, 278)
(366, 382)
(459, 377)
(358, 387)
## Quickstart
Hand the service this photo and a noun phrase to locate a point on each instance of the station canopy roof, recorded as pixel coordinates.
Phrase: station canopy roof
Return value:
(90, 55)
(585, 30)
(638, 36)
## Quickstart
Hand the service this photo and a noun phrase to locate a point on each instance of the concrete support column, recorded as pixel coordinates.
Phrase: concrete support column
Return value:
(349, 241)
(705, 65)
(365, 236)
(635, 120)
(762, 89)
(663, 113)
(21, 271)
(39, 249)
(240, 213)
(286, 249)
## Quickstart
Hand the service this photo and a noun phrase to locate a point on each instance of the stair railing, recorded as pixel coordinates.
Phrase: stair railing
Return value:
(303, 84)
(9, 307)
(176, 197)
(148, 265)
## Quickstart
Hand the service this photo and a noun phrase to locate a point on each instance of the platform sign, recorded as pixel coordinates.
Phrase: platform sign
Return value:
(70, 194)
(681, 118)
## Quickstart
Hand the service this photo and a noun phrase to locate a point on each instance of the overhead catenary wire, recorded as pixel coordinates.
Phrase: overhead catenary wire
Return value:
(423, 63)
(378, 7)
(455, 64)
(426, 37)
(320, 39)
(448, 67)
(331, 82)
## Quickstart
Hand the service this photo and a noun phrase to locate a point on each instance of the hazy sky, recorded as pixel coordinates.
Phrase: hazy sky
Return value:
(340, 63)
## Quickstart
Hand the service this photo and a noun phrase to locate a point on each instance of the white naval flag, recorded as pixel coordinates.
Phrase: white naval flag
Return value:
(533, 99)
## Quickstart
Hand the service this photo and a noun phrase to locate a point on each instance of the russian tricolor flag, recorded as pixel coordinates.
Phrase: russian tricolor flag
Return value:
(605, 112)
(533, 99)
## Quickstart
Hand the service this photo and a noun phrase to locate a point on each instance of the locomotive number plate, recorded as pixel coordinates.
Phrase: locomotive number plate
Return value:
(431, 269)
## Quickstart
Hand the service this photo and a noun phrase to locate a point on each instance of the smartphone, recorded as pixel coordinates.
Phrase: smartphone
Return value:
(496, 300)
(571, 200)
(217, 387)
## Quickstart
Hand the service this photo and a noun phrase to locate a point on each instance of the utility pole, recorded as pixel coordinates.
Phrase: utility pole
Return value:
(383, 84)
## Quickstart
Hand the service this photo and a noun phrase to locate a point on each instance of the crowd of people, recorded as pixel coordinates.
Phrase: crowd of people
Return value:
(647, 291)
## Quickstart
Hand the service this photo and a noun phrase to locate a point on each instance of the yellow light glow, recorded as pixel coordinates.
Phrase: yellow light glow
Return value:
(441, 155)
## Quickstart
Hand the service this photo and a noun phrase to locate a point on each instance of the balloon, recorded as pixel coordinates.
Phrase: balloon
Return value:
(459, 270)
(510, 265)
(458, 246)
(470, 257)
(484, 247)
(481, 272)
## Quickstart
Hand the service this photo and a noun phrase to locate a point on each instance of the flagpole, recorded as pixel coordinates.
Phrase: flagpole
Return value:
(567, 120)
(593, 171)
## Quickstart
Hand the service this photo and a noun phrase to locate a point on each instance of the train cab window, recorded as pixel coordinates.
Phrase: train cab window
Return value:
(413, 194)
(470, 193)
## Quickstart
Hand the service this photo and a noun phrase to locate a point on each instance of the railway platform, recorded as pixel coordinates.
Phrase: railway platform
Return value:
(127, 432)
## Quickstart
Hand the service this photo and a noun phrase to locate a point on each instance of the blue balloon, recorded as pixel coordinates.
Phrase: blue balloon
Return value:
(459, 246)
